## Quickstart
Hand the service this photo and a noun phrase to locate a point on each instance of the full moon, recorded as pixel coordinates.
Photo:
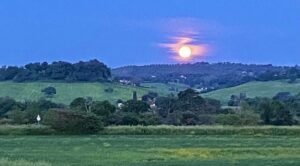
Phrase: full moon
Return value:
(185, 52)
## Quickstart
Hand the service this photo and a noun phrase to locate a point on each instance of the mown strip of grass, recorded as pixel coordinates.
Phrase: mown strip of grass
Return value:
(25, 130)
(22, 162)
(201, 130)
(161, 130)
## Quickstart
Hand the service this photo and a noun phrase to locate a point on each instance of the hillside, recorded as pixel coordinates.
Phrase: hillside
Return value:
(66, 92)
(208, 76)
(255, 89)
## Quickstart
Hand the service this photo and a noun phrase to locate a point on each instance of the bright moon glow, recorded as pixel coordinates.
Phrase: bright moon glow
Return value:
(185, 49)
(185, 52)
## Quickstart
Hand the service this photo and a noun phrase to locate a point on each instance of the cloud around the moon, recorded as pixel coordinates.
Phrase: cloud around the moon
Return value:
(172, 48)
(186, 32)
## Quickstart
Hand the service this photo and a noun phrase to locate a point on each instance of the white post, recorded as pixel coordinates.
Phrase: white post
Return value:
(38, 118)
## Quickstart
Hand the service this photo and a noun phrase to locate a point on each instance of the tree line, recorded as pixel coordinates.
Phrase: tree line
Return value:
(92, 70)
(84, 115)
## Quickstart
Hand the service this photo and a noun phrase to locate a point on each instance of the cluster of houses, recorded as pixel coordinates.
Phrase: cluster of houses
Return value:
(129, 82)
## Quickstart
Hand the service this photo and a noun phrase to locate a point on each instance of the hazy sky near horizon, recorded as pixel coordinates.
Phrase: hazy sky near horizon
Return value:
(132, 32)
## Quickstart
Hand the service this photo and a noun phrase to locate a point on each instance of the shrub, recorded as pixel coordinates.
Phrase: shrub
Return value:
(5, 121)
(49, 91)
(70, 122)
(206, 120)
(6, 104)
(17, 116)
(148, 119)
(78, 104)
(131, 118)
(189, 118)
(109, 90)
(135, 106)
(103, 108)
(235, 119)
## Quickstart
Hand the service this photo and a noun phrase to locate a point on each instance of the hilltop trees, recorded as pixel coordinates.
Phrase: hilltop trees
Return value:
(90, 71)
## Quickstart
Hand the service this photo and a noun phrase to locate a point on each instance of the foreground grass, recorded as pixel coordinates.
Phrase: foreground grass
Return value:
(110, 150)
(255, 89)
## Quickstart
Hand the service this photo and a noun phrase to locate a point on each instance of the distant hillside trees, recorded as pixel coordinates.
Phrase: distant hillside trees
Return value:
(206, 76)
(90, 71)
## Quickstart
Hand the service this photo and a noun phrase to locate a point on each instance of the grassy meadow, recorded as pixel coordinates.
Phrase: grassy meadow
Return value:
(66, 92)
(165, 88)
(146, 150)
(256, 89)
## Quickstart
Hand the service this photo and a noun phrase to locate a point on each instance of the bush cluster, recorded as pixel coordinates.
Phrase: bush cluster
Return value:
(73, 122)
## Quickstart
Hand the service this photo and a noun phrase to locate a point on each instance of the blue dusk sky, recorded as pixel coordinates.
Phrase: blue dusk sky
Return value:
(137, 32)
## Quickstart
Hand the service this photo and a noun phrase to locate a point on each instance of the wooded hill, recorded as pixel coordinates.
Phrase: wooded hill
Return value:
(207, 76)
(89, 71)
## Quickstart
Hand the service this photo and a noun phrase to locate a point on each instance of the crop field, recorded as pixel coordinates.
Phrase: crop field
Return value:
(147, 150)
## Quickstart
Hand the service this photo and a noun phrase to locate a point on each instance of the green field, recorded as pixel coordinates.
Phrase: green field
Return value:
(255, 89)
(148, 150)
(66, 92)
(165, 88)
